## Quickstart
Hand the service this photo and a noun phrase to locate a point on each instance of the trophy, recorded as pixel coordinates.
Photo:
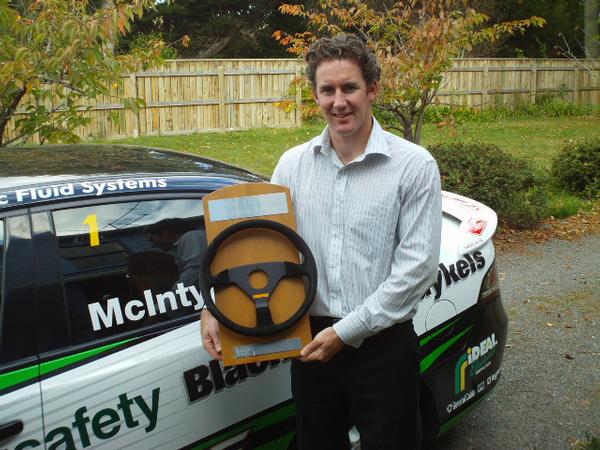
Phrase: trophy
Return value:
(258, 277)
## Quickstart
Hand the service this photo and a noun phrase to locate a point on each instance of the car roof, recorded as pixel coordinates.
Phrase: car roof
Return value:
(69, 167)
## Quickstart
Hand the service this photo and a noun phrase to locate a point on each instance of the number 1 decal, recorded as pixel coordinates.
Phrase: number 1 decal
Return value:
(92, 222)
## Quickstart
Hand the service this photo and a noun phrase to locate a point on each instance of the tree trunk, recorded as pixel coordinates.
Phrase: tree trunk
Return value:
(408, 131)
(592, 28)
(8, 112)
(419, 124)
(213, 50)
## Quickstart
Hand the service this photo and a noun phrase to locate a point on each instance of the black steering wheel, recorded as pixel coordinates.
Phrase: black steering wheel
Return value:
(275, 271)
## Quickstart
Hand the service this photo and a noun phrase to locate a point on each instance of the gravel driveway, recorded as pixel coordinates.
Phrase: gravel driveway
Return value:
(549, 392)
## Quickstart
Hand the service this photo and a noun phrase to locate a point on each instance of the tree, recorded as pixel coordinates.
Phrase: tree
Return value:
(219, 28)
(414, 40)
(56, 53)
(592, 28)
(563, 18)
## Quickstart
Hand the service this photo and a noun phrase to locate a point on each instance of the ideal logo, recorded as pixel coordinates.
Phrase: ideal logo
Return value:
(461, 269)
(475, 359)
(130, 412)
(204, 380)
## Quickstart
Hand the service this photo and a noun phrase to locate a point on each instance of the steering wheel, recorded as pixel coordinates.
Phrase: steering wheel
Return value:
(275, 271)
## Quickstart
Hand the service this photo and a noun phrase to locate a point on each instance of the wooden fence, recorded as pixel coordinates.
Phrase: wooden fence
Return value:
(188, 96)
(491, 82)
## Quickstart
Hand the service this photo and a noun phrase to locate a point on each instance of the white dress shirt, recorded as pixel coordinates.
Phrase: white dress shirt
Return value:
(373, 225)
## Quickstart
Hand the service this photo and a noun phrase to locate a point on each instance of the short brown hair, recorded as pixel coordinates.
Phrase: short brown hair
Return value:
(342, 46)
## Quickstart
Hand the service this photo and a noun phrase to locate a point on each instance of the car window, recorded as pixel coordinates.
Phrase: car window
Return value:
(1, 264)
(1, 272)
(17, 340)
(129, 265)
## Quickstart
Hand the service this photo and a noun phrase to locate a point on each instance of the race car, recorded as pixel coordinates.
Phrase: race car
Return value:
(99, 334)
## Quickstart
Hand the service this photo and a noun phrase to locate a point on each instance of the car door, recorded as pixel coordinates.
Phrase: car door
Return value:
(132, 372)
(20, 399)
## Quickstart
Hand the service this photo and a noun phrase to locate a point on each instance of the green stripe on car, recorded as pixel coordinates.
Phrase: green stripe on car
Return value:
(19, 376)
(427, 361)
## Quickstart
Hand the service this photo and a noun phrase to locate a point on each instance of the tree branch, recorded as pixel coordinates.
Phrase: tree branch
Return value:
(8, 112)
(62, 83)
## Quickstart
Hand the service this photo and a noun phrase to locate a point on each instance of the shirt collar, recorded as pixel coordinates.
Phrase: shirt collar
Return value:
(375, 145)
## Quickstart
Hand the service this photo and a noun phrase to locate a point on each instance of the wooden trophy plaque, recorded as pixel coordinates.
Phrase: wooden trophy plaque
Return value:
(224, 208)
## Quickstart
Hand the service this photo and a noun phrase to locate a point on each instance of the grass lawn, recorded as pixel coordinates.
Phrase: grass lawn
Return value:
(259, 149)
(535, 139)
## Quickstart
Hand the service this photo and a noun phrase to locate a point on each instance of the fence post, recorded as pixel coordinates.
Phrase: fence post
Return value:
(484, 85)
(576, 85)
(533, 82)
(136, 115)
(221, 77)
(297, 75)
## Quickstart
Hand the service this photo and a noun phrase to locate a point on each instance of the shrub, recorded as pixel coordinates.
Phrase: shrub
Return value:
(486, 173)
(577, 168)
(521, 109)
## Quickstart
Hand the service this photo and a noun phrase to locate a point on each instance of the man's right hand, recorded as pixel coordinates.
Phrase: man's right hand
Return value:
(211, 337)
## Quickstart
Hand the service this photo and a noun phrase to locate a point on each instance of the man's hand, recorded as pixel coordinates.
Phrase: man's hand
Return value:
(323, 347)
(211, 337)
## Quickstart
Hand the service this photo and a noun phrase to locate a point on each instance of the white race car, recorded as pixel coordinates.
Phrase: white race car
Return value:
(99, 336)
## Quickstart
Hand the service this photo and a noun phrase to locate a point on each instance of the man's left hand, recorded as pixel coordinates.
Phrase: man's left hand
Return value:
(323, 347)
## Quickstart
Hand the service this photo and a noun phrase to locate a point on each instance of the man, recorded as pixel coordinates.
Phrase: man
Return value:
(187, 246)
(368, 204)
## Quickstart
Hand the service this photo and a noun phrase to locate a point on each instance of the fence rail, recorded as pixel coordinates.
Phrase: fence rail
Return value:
(187, 96)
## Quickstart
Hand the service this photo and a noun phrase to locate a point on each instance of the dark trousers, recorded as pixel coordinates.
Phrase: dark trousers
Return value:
(375, 387)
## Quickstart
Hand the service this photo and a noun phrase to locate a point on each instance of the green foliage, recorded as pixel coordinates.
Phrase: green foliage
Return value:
(56, 54)
(591, 442)
(563, 205)
(311, 114)
(217, 28)
(577, 167)
(563, 18)
(510, 186)
(414, 42)
(144, 43)
(545, 107)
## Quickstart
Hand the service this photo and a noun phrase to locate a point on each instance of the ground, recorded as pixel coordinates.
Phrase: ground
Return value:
(548, 396)
(573, 227)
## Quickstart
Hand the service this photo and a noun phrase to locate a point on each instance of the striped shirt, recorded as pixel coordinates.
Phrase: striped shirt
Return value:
(373, 225)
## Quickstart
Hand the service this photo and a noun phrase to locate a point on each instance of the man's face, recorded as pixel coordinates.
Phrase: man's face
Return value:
(163, 240)
(344, 97)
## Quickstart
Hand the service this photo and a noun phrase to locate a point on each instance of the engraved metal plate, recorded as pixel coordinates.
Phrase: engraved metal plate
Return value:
(285, 345)
(248, 206)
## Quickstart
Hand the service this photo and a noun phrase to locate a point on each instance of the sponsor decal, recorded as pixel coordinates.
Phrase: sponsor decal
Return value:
(461, 401)
(464, 202)
(481, 387)
(210, 379)
(113, 313)
(57, 191)
(476, 226)
(103, 424)
(474, 361)
(452, 274)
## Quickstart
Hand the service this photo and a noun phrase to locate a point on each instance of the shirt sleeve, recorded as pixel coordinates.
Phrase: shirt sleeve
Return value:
(414, 265)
